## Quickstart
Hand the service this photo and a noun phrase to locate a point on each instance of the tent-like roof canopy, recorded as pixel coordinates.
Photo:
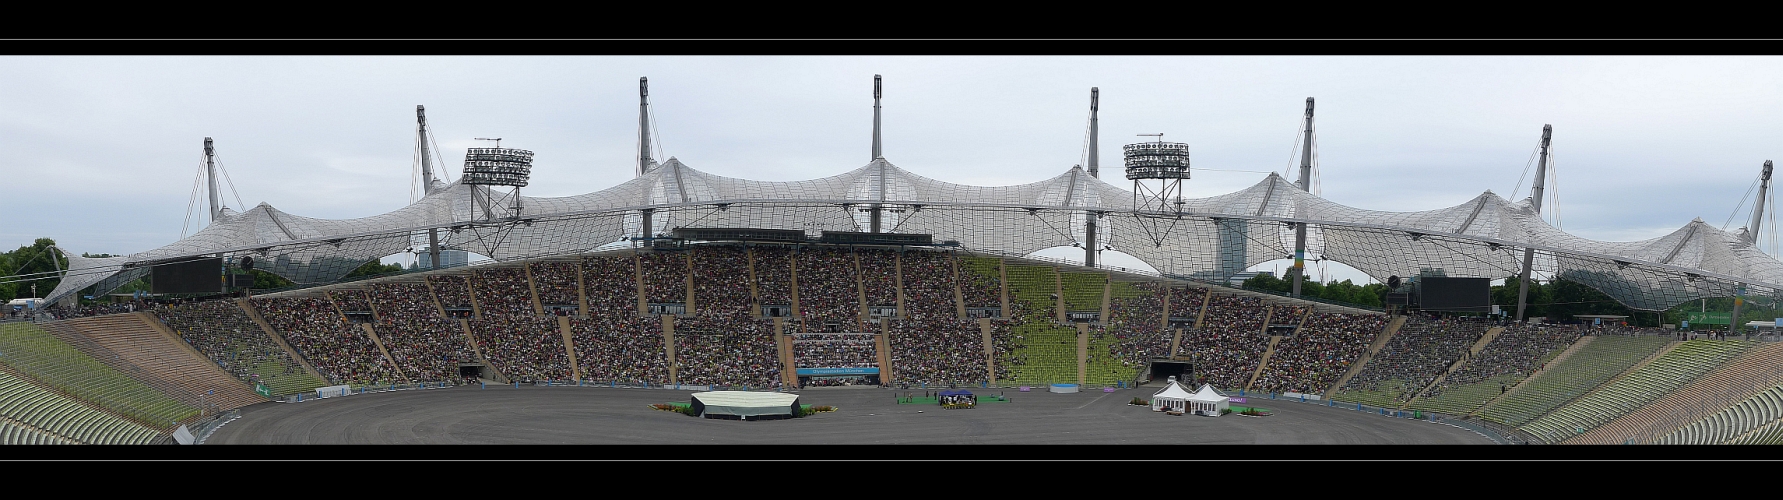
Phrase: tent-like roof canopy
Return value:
(1207, 393)
(1209, 238)
(1174, 391)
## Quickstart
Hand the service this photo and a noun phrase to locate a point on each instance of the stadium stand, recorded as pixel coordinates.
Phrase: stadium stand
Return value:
(1134, 334)
(39, 356)
(981, 282)
(504, 292)
(829, 296)
(341, 351)
(1040, 350)
(137, 339)
(1671, 371)
(931, 345)
(723, 344)
(1230, 339)
(773, 275)
(1756, 420)
(1504, 362)
(452, 291)
(33, 415)
(426, 347)
(1590, 366)
(523, 348)
(1321, 351)
(1423, 349)
(557, 285)
(1757, 370)
(223, 332)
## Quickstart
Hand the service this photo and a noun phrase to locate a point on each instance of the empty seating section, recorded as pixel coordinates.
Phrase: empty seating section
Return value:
(1083, 291)
(33, 415)
(1134, 333)
(1319, 353)
(1423, 348)
(1229, 342)
(773, 275)
(339, 350)
(879, 276)
(1759, 369)
(351, 301)
(524, 348)
(1758, 419)
(225, 333)
(453, 291)
(425, 346)
(1588, 367)
(1669, 372)
(1510, 357)
(612, 286)
(556, 284)
(931, 345)
(154, 355)
(981, 284)
(53, 363)
(829, 299)
(621, 349)
(723, 343)
(1040, 350)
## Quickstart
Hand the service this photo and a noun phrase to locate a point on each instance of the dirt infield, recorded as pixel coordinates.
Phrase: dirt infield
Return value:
(584, 415)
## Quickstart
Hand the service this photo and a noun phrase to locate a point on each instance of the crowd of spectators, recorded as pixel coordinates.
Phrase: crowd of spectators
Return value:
(981, 289)
(425, 346)
(1319, 353)
(81, 311)
(621, 348)
(721, 283)
(773, 275)
(453, 291)
(931, 344)
(1230, 341)
(665, 276)
(829, 298)
(723, 343)
(525, 348)
(503, 291)
(1137, 325)
(556, 283)
(1519, 350)
(341, 351)
(1424, 347)
(225, 334)
(879, 276)
(351, 301)
(1186, 302)
(834, 350)
(611, 283)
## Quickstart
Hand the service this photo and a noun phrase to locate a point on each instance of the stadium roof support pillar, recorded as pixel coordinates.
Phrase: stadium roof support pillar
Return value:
(433, 235)
(1089, 225)
(210, 176)
(1305, 184)
(873, 225)
(643, 126)
(1535, 195)
(1764, 184)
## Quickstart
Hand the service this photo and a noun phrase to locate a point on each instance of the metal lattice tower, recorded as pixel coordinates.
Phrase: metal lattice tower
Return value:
(485, 167)
(1157, 170)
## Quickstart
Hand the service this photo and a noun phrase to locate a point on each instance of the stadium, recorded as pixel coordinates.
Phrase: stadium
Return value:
(880, 294)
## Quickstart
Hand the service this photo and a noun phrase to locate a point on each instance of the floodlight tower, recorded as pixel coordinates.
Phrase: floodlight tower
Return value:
(1305, 184)
(497, 166)
(1089, 225)
(1157, 170)
(1535, 198)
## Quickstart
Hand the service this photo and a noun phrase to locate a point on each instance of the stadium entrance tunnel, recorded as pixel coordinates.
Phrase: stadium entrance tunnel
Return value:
(1162, 370)
(475, 371)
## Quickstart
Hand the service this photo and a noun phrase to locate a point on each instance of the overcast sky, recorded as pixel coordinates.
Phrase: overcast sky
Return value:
(101, 152)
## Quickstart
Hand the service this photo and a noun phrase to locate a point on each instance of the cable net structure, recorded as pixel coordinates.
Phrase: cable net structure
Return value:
(1206, 238)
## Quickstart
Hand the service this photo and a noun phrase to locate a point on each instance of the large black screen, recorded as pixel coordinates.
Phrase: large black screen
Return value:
(198, 276)
(1454, 294)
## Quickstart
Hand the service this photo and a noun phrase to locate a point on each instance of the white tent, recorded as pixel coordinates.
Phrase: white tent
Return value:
(1208, 401)
(1172, 398)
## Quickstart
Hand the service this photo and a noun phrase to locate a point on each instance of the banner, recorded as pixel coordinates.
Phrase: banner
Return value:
(837, 371)
(1708, 318)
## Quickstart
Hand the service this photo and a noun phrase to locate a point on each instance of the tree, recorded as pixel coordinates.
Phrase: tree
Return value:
(373, 268)
(37, 262)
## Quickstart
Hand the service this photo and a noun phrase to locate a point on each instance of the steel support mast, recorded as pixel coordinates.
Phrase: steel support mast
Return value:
(1739, 299)
(433, 235)
(644, 147)
(874, 217)
(1089, 225)
(1305, 184)
(210, 175)
(1535, 202)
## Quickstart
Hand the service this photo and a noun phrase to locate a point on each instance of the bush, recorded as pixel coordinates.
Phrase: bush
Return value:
(1225, 411)
(1139, 402)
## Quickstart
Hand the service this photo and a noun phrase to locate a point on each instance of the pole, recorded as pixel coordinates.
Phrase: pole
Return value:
(1535, 196)
(643, 125)
(1764, 184)
(210, 175)
(433, 235)
(874, 218)
(1305, 184)
(1089, 225)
